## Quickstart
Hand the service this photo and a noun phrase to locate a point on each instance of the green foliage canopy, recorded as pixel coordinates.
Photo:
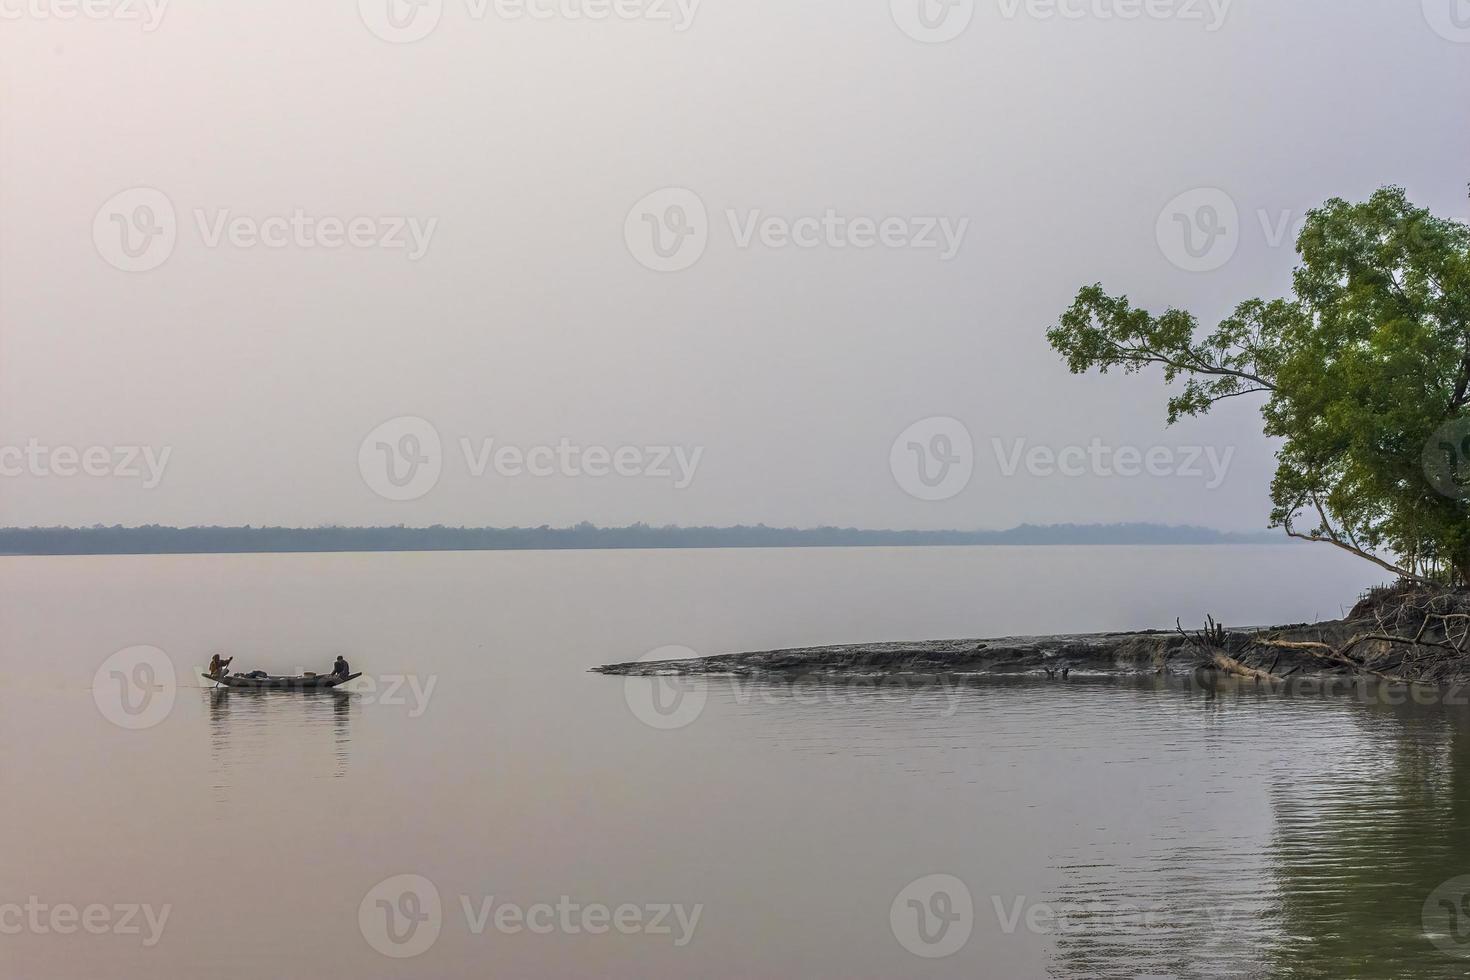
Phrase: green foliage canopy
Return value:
(1365, 369)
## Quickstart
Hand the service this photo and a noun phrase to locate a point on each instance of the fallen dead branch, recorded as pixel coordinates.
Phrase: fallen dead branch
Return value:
(1212, 641)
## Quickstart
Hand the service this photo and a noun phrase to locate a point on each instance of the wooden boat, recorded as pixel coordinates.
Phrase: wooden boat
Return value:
(305, 682)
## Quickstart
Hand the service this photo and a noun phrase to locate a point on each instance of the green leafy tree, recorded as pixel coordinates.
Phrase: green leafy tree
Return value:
(1365, 373)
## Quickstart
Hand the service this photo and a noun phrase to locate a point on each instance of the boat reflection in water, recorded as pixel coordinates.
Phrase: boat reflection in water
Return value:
(278, 735)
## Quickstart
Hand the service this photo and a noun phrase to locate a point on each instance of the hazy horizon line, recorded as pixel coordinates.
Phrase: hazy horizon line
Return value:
(160, 540)
(645, 525)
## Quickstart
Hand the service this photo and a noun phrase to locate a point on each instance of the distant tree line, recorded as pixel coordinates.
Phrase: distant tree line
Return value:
(154, 539)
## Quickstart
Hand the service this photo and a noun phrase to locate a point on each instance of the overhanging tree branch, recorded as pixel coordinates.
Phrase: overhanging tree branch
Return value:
(1336, 541)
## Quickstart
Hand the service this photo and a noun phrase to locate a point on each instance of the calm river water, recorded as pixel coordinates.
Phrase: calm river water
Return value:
(483, 806)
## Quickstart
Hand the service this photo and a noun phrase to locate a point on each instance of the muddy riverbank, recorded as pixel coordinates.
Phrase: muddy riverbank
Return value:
(1401, 633)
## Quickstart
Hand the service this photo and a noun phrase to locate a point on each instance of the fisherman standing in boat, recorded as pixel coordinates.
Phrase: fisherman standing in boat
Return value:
(340, 668)
(218, 666)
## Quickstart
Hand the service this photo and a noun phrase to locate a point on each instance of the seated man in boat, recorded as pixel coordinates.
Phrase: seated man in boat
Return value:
(340, 668)
(219, 666)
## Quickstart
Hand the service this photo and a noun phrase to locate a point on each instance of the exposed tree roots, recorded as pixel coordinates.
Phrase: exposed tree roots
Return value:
(1409, 633)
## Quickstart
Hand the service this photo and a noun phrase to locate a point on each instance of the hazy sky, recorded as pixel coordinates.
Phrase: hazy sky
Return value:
(244, 237)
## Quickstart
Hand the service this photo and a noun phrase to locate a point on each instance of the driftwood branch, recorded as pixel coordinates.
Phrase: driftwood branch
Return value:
(1339, 655)
(1211, 640)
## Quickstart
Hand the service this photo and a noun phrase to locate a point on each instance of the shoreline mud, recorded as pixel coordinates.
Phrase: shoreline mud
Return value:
(1399, 634)
(1142, 653)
